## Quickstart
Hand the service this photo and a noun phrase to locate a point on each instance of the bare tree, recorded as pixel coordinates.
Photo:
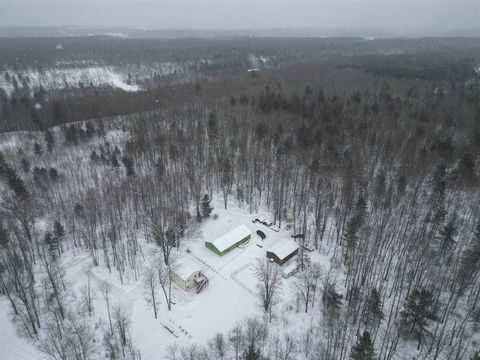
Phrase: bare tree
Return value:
(306, 283)
(106, 288)
(269, 284)
(236, 340)
(165, 279)
(87, 296)
(150, 286)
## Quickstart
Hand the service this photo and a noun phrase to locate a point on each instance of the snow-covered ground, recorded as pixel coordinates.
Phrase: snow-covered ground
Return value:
(59, 78)
(12, 345)
(230, 296)
(195, 318)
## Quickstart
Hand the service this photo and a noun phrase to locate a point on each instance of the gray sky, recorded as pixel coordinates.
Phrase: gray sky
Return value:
(396, 15)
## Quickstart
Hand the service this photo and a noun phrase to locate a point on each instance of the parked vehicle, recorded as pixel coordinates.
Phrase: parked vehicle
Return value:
(308, 247)
(274, 228)
(261, 234)
(298, 236)
(262, 220)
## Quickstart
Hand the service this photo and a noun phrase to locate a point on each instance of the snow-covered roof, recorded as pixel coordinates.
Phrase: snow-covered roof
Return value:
(291, 267)
(284, 248)
(185, 268)
(231, 238)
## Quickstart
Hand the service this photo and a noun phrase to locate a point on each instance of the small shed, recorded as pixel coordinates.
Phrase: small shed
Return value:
(187, 274)
(283, 251)
(229, 241)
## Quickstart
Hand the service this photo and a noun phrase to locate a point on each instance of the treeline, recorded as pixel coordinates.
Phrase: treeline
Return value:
(438, 67)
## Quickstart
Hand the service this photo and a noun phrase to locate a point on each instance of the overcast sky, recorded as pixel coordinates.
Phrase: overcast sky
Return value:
(398, 15)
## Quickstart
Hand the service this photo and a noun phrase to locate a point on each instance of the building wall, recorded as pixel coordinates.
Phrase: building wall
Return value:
(185, 284)
(179, 281)
(212, 247)
(272, 255)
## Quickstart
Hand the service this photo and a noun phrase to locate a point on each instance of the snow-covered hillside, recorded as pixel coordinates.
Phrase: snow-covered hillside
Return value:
(128, 77)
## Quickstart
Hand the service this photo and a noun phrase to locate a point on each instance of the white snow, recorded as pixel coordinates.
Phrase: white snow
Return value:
(231, 238)
(12, 345)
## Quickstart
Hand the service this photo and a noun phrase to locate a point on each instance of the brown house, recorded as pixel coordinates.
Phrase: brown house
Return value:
(283, 251)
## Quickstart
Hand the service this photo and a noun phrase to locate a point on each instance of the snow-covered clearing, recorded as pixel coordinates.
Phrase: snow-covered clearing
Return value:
(59, 78)
(230, 296)
(195, 318)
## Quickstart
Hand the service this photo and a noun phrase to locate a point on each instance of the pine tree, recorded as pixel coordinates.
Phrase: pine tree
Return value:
(49, 140)
(114, 161)
(447, 235)
(470, 260)
(58, 231)
(206, 206)
(52, 244)
(373, 313)
(419, 311)
(363, 349)
(251, 353)
(128, 163)
(466, 167)
(332, 300)
(438, 194)
(350, 236)
(37, 149)
(16, 185)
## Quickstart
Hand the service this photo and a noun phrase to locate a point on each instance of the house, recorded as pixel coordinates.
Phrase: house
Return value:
(187, 275)
(229, 241)
(283, 251)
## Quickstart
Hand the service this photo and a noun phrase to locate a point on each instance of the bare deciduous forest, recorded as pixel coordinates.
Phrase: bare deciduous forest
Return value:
(369, 149)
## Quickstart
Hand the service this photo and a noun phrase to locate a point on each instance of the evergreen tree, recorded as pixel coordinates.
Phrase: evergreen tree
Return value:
(114, 161)
(49, 140)
(16, 185)
(128, 163)
(58, 113)
(470, 260)
(212, 126)
(206, 206)
(52, 244)
(350, 236)
(438, 194)
(373, 313)
(419, 311)
(58, 230)
(25, 165)
(37, 149)
(332, 300)
(363, 349)
(466, 167)
(447, 235)
(251, 353)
